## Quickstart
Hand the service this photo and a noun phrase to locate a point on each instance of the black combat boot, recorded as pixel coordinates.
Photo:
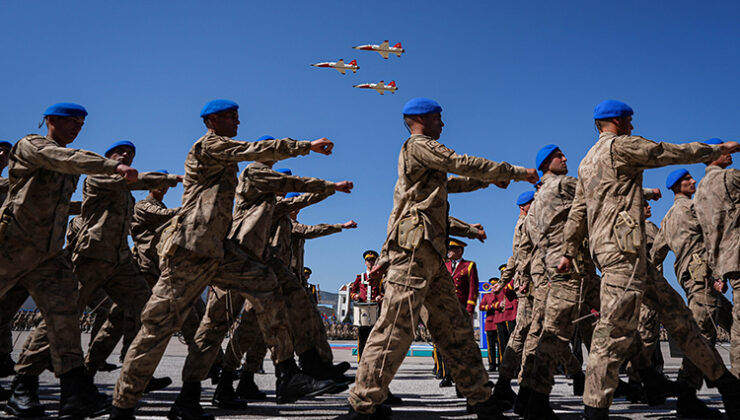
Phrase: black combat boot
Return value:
(24, 400)
(729, 388)
(657, 387)
(489, 409)
(4, 393)
(7, 366)
(504, 394)
(631, 392)
(292, 384)
(690, 407)
(446, 382)
(248, 389)
(225, 396)
(579, 384)
(155, 384)
(312, 365)
(342, 367)
(592, 413)
(79, 397)
(121, 414)
(213, 373)
(187, 405)
(522, 401)
(539, 407)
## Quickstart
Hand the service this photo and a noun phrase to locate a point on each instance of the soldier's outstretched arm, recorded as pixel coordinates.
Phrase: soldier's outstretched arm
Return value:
(37, 151)
(268, 180)
(467, 230)
(145, 181)
(635, 151)
(155, 212)
(461, 184)
(652, 194)
(437, 156)
(315, 231)
(229, 150)
(289, 205)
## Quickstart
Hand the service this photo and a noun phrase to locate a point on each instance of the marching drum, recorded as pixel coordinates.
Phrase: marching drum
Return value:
(366, 314)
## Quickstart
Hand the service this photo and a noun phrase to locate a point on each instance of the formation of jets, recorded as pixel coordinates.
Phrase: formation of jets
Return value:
(384, 49)
(380, 87)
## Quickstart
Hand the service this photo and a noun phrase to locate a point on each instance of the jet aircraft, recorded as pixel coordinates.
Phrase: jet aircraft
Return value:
(340, 66)
(381, 87)
(383, 49)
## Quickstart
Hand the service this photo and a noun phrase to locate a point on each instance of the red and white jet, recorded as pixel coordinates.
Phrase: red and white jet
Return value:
(383, 49)
(340, 66)
(381, 87)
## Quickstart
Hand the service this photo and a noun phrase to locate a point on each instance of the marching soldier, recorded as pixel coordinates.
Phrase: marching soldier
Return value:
(194, 253)
(6, 336)
(521, 282)
(717, 205)
(609, 208)
(43, 175)
(681, 233)
(413, 257)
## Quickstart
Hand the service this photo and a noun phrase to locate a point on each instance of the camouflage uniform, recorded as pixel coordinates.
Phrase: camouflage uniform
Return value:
(414, 250)
(194, 253)
(6, 336)
(256, 206)
(609, 206)
(43, 175)
(101, 259)
(552, 327)
(717, 208)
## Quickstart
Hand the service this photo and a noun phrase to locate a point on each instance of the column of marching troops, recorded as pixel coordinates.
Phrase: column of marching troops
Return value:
(238, 234)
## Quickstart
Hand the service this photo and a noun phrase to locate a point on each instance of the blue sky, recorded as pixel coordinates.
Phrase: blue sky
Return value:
(511, 77)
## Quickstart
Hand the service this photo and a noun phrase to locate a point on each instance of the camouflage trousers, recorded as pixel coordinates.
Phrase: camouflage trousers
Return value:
(122, 282)
(553, 328)
(417, 280)
(512, 354)
(616, 328)
(303, 319)
(119, 323)
(49, 280)
(245, 341)
(545, 310)
(184, 276)
(735, 330)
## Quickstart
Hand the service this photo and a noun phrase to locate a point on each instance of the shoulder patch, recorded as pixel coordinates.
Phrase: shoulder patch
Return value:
(439, 148)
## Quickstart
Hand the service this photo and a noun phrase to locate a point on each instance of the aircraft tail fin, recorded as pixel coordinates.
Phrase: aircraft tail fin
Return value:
(353, 62)
(398, 45)
(392, 83)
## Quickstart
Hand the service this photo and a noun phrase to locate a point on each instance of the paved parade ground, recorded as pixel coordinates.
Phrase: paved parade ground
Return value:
(423, 399)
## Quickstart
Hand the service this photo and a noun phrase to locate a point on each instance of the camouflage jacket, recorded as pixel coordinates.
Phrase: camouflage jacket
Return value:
(281, 231)
(4, 186)
(551, 209)
(420, 194)
(717, 204)
(609, 197)
(508, 275)
(299, 234)
(210, 184)
(531, 261)
(43, 175)
(150, 215)
(256, 203)
(107, 207)
(679, 232)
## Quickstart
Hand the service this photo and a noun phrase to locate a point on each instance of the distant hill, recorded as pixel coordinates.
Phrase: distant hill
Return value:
(329, 298)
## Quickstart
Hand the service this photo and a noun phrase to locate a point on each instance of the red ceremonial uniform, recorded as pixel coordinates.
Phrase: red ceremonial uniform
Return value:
(359, 290)
(465, 277)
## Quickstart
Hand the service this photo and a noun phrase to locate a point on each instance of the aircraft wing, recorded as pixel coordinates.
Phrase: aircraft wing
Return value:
(340, 69)
(340, 62)
(384, 53)
(384, 45)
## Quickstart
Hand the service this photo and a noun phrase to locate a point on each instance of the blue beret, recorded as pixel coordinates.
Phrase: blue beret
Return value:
(674, 177)
(163, 171)
(285, 171)
(6, 144)
(713, 141)
(545, 153)
(218, 105)
(421, 106)
(66, 109)
(119, 144)
(292, 194)
(266, 138)
(525, 198)
(612, 109)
